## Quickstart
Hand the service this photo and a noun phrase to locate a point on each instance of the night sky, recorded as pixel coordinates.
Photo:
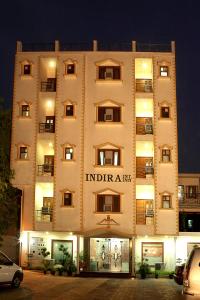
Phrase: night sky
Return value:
(113, 21)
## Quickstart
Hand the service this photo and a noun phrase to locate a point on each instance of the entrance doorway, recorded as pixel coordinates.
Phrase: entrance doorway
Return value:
(109, 255)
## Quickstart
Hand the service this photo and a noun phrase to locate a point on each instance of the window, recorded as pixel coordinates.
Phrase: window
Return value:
(26, 69)
(181, 192)
(23, 153)
(109, 72)
(108, 157)
(69, 110)
(152, 253)
(25, 110)
(166, 201)
(191, 191)
(165, 112)
(67, 199)
(69, 153)
(109, 114)
(70, 69)
(108, 203)
(166, 155)
(164, 71)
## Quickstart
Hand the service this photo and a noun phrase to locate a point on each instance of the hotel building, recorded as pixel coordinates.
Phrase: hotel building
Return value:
(94, 149)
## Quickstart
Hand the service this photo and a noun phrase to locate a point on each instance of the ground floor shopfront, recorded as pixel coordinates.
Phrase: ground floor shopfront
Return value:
(107, 253)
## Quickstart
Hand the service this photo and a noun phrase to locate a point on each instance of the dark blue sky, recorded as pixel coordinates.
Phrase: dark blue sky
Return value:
(109, 20)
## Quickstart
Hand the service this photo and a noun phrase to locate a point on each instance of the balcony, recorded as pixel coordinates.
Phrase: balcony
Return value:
(49, 85)
(144, 86)
(144, 126)
(189, 201)
(45, 169)
(44, 215)
(144, 167)
(46, 127)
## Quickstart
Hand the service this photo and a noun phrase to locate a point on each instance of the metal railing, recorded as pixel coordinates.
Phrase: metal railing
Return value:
(81, 46)
(114, 46)
(45, 170)
(189, 201)
(148, 47)
(37, 47)
(46, 127)
(48, 86)
(144, 85)
(144, 128)
(44, 215)
(144, 171)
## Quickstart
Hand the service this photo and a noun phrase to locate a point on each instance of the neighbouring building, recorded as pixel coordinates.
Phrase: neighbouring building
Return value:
(94, 149)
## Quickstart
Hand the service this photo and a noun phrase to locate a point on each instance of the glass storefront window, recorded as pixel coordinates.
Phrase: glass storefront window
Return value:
(57, 253)
(109, 255)
(152, 253)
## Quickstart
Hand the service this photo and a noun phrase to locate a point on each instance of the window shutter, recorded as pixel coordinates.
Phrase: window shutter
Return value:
(102, 72)
(116, 114)
(101, 112)
(116, 203)
(116, 72)
(100, 202)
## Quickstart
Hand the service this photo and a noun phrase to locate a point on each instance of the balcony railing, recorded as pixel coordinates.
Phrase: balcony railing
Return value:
(189, 201)
(48, 86)
(44, 215)
(144, 171)
(145, 127)
(46, 127)
(45, 170)
(144, 85)
(145, 218)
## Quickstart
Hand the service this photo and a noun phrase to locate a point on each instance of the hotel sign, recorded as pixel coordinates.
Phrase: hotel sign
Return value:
(107, 177)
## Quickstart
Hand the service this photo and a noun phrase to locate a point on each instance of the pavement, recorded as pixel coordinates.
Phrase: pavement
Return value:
(37, 286)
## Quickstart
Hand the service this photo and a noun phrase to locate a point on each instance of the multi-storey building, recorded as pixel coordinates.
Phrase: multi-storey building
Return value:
(94, 149)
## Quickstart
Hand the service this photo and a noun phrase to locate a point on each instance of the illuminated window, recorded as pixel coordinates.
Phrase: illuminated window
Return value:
(69, 110)
(164, 71)
(109, 72)
(191, 191)
(181, 192)
(166, 201)
(23, 152)
(108, 203)
(69, 153)
(26, 69)
(109, 114)
(25, 110)
(108, 157)
(166, 155)
(70, 69)
(67, 199)
(165, 112)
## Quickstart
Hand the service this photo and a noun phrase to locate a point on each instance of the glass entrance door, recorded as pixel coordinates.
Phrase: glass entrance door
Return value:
(109, 255)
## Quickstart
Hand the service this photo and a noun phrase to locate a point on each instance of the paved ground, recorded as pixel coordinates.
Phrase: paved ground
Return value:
(37, 286)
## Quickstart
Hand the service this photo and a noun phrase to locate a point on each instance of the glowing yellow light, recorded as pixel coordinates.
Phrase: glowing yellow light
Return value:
(144, 65)
(50, 145)
(52, 64)
(49, 104)
(47, 232)
(146, 236)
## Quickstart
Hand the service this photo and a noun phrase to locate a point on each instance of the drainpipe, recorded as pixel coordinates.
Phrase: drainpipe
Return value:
(78, 250)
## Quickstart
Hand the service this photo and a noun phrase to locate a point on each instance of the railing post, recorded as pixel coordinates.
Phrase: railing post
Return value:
(133, 46)
(173, 46)
(19, 46)
(57, 45)
(95, 45)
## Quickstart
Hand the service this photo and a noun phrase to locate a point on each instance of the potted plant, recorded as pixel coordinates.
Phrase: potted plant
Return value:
(82, 261)
(143, 270)
(46, 263)
(70, 266)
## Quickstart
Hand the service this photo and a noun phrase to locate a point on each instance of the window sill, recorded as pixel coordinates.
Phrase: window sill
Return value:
(164, 77)
(165, 119)
(67, 206)
(69, 117)
(68, 160)
(108, 123)
(107, 166)
(171, 208)
(26, 76)
(70, 76)
(166, 162)
(107, 213)
(22, 159)
(104, 81)
(24, 118)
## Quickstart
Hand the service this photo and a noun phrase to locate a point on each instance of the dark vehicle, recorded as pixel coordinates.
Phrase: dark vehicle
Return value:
(178, 275)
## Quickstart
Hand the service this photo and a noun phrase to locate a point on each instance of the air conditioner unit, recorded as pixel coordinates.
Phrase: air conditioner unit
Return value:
(148, 128)
(108, 117)
(107, 207)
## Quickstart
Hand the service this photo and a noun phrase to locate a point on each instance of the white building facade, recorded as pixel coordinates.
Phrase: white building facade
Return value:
(94, 149)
